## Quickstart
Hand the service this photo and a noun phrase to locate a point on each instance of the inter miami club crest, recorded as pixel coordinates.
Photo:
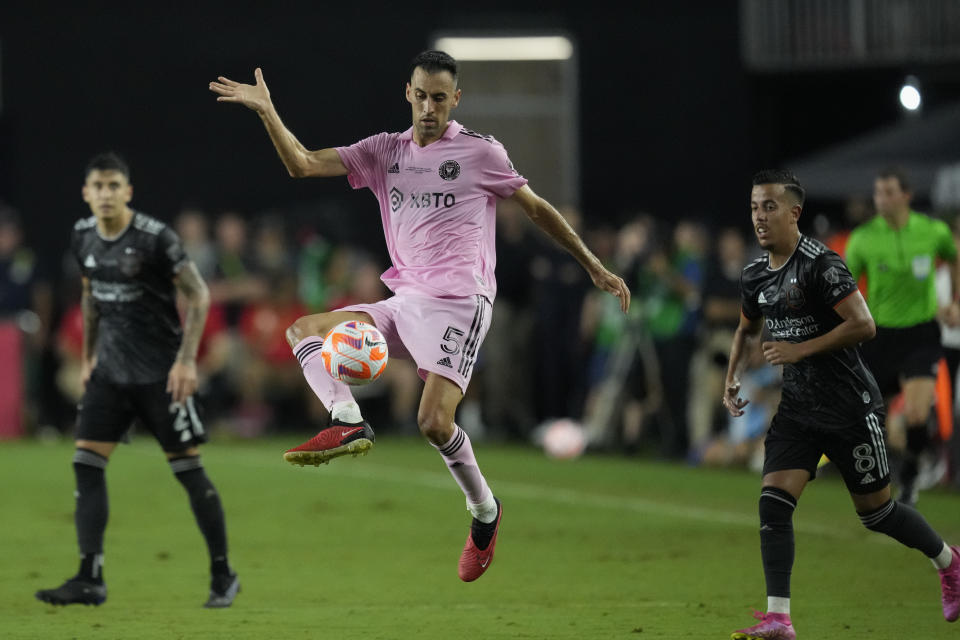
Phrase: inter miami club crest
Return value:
(449, 170)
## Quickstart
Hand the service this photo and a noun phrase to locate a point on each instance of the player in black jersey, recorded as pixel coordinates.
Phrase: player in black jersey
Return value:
(802, 294)
(137, 363)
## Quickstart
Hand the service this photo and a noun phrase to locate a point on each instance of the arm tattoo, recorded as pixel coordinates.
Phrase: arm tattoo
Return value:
(190, 283)
(91, 321)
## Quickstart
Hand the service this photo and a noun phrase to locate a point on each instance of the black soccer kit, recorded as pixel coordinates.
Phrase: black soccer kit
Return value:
(830, 403)
(138, 334)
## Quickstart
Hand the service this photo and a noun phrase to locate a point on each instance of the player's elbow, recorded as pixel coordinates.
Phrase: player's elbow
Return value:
(296, 171)
(868, 328)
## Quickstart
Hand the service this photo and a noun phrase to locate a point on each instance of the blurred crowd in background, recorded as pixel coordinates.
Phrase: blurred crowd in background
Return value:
(646, 383)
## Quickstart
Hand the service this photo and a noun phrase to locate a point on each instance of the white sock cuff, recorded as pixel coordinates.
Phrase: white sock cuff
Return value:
(778, 605)
(944, 559)
(346, 411)
(485, 511)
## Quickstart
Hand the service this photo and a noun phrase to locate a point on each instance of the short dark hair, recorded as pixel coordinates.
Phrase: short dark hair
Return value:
(107, 161)
(433, 61)
(900, 174)
(784, 177)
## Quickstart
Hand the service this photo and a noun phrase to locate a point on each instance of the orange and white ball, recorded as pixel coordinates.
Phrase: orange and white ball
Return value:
(354, 352)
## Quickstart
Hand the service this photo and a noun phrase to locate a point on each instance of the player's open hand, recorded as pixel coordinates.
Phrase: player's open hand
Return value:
(255, 96)
(612, 283)
(782, 352)
(182, 380)
(732, 400)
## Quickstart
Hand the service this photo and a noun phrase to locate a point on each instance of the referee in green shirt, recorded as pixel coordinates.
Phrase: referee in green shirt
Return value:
(898, 251)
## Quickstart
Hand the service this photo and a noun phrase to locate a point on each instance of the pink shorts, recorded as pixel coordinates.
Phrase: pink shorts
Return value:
(441, 335)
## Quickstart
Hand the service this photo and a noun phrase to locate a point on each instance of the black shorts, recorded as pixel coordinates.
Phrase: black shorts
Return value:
(107, 410)
(858, 450)
(902, 353)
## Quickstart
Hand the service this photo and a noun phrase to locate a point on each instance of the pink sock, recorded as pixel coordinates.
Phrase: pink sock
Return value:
(458, 454)
(327, 389)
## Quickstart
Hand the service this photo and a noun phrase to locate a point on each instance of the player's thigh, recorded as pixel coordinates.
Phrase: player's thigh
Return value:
(319, 324)
(176, 425)
(859, 453)
(443, 335)
(103, 415)
(791, 454)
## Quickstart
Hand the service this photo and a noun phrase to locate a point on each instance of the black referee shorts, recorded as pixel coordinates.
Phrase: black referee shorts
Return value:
(107, 410)
(858, 450)
(903, 353)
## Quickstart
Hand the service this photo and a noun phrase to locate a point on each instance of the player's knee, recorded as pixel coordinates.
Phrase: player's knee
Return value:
(776, 508)
(296, 332)
(435, 424)
(879, 519)
(189, 471)
(917, 415)
(89, 467)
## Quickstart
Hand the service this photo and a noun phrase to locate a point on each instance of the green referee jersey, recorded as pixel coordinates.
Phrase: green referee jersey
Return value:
(900, 265)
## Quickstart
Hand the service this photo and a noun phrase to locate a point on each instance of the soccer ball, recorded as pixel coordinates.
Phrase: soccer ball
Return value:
(563, 439)
(354, 352)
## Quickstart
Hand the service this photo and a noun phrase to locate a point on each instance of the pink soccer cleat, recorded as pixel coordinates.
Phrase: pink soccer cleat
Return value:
(950, 587)
(773, 626)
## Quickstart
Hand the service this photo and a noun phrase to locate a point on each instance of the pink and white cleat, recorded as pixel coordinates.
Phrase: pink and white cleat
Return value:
(773, 626)
(950, 587)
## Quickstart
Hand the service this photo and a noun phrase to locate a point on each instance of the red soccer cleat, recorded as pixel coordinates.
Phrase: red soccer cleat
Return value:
(337, 440)
(475, 561)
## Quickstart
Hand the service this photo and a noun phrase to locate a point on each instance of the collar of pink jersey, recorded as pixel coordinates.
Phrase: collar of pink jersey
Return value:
(453, 128)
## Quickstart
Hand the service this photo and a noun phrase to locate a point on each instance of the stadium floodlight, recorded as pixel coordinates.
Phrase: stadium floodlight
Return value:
(910, 98)
(507, 48)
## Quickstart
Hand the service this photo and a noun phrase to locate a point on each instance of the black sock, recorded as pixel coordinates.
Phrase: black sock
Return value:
(482, 533)
(776, 539)
(918, 438)
(205, 502)
(91, 567)
(905, 525)
(90, 515)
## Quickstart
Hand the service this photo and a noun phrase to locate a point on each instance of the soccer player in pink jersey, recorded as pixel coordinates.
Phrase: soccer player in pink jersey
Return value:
(437, 184)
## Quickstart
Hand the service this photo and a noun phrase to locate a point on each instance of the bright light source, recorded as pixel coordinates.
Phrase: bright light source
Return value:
(516, 48)
(910, 96)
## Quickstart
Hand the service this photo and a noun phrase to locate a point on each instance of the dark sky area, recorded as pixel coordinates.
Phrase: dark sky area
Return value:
(670, 120)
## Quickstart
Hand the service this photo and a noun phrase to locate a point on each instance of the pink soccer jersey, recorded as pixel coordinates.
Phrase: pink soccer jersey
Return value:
(438, 206)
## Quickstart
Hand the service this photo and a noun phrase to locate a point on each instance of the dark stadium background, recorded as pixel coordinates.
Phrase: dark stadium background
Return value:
(670, 119)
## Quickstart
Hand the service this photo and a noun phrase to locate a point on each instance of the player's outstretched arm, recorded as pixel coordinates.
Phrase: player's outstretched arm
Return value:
(299, 161)
(182, 380)
(746, 333)
(91, 324)
(554, 225)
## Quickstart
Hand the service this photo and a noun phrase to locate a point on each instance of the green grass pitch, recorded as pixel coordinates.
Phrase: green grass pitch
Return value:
(601, 547)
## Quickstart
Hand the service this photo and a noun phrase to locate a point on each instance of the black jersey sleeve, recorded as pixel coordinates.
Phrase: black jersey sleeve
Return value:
(749, 306)
(832, 279)
(170, 253)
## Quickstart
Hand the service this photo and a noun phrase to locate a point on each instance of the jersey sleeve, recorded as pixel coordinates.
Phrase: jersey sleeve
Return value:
(170, 253)
(749, 306)
(832, 280)
(365, 160)
(499, 176)
(946, 247)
